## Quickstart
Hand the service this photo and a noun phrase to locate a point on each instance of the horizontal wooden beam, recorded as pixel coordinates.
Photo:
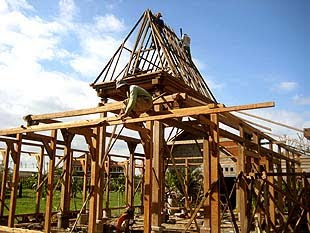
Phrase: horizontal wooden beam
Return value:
(115, 120)
(109, 107)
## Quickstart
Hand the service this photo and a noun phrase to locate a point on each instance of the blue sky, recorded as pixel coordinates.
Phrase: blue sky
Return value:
(248, 52)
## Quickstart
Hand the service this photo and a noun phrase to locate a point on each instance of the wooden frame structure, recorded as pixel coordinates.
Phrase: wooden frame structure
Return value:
(182, 100)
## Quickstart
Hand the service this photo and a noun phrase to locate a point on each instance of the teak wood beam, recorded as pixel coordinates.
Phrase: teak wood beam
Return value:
(94, 147)
(15, 179)
(115, 120)
(50, 184)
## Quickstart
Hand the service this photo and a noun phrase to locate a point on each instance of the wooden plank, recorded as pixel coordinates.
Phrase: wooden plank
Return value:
(50, 186)
(144, 117)
(15, 180)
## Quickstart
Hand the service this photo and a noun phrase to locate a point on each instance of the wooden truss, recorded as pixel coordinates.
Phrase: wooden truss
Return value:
(268, 174)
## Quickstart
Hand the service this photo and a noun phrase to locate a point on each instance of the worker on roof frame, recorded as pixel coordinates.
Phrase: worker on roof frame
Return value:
(139, 100)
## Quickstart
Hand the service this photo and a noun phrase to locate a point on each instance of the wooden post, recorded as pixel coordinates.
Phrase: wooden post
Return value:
(280, 183)
(126, 182)
(288, 178)
(186, 183)
(131, 171)
(142, 186)
(206, 186)
(15, 152)
(65, 186)
(270, 202)
(158, 174)
(101, 150)
(5, 156)
(51, 148)
(40, 178)
(242, 187)
(85, 178)
(148, 144)
(215, 195)
(94, 145)
(107, 190)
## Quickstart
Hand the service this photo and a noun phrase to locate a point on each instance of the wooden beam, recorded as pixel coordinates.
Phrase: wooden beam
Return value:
(50, 185)
(108, 107)
(65, 185)
(214, 176)
(158, 173)
(144, 117)
(93, 181)
(131, 174)
(148, 144)
(15, 180)
(242, 186)
(206, 185)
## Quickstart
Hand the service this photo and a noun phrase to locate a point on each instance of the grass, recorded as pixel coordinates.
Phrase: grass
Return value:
(26, 204)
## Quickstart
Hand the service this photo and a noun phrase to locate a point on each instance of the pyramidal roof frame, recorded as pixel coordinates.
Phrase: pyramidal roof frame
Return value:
(156, 48)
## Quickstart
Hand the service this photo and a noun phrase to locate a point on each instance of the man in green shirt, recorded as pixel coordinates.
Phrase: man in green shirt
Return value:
(138, 102)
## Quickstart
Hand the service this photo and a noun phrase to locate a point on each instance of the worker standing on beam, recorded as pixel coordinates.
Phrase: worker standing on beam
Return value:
(138, 102)
(186, 42)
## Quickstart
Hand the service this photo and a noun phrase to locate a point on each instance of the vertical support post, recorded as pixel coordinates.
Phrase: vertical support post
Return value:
(280, 183)
(215, 195)
(206, 186)
(94, 147)
(270, 202)
(131, 171)
(107, 210)
(288, 178)
(147, 144)
(101, 150)
(50, 181)
(5, 155)
(15, 152)
(186, 183)
(40, 178)
(142, 186)
(85, 178)
(242, 187)
(126, 182)
(63, 218)
(158, 173)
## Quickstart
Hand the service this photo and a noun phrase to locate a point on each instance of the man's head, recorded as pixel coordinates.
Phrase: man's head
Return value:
(158, 15)
(121, 85)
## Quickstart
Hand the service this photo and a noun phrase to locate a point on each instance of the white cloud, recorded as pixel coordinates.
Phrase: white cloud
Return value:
(29, 86)
(15, 5)
(109, 23)
(301, 100)
(287, 86)
(67, 9)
